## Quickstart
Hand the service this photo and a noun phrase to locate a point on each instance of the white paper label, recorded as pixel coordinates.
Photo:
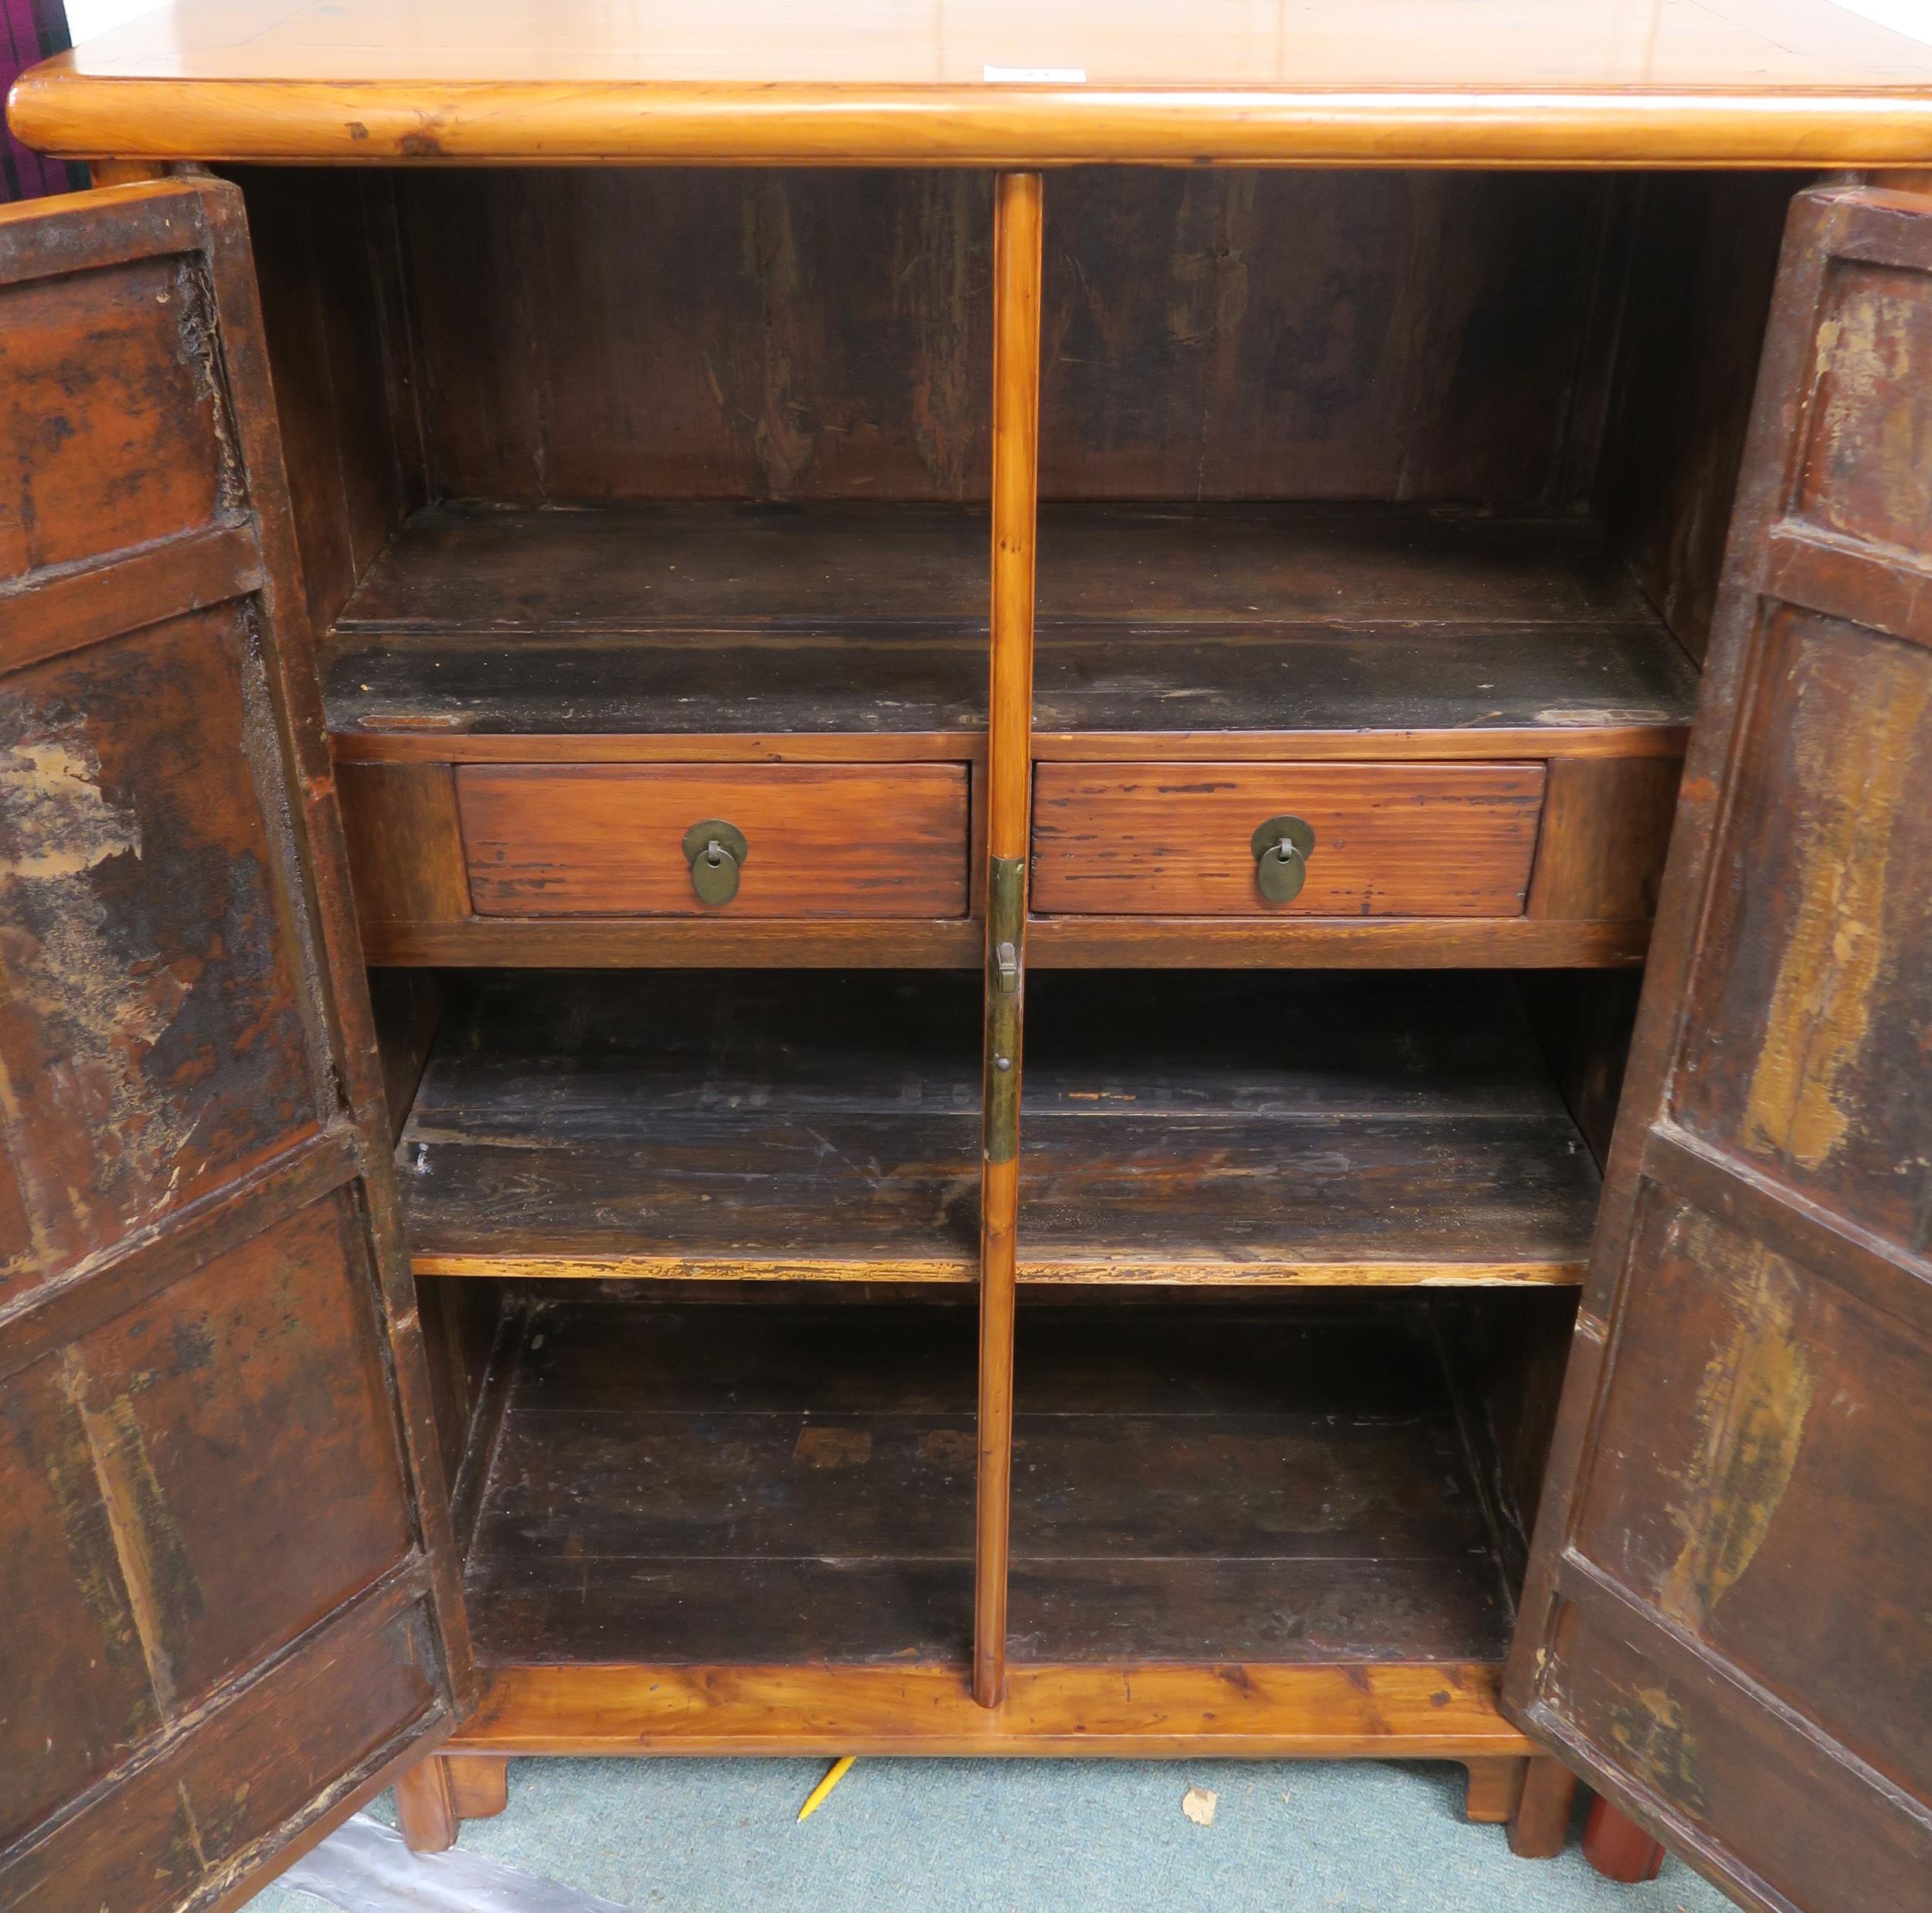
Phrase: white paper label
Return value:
(1035, 76)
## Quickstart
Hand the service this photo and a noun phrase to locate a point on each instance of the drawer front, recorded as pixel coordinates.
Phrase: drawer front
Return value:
(822, 840)
(1390, 840)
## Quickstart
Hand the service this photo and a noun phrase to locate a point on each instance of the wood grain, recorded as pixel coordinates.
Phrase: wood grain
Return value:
(1605, 829)
(1259, 1713)
(825, 840)
(1397, 840)
(1018, 239)
(405, 843)
(1779, 82)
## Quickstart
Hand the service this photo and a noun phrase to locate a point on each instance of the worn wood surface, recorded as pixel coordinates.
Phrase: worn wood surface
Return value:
(1724, 1625)
(1393, 840)
(823, 839)
(760, 1126)
(1559, 83)
(221, 1484)
(715, 1485)
(482, 621)
(1309, 1128)
(1315, 333)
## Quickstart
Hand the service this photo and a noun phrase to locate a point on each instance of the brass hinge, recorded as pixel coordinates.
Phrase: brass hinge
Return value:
(1005, 932)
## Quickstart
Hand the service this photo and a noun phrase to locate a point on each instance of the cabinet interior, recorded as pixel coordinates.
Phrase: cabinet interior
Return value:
(1350, 481)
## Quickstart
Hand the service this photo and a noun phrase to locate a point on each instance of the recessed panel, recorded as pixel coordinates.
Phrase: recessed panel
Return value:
(1808, 1048)
(1764, 1483)
(111, 429)
(152, 1031)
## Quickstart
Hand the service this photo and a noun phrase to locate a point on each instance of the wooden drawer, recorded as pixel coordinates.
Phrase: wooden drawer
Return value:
(1390, 840)
(606, 839)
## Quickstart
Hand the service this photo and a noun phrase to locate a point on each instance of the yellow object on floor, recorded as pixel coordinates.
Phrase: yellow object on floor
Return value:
(816, 1799)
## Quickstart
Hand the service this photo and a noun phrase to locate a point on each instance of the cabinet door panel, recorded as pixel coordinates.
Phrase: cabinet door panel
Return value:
(1728, 1621)
(231, 1606)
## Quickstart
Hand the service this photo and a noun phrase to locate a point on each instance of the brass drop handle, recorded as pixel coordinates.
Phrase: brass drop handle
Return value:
(1282, 847)
(715, 851)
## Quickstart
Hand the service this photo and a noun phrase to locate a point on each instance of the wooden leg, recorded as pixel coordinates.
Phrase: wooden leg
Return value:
(1539, 1827)
(1618, 1848)
(1494, 1786)
(426, 1806)
(479, 1784)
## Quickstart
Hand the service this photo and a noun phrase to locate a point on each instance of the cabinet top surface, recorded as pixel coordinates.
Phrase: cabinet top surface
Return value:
(996, 82)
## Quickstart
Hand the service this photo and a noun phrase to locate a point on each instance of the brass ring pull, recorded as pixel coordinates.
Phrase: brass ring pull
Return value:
(1281, 848)
(715, 851)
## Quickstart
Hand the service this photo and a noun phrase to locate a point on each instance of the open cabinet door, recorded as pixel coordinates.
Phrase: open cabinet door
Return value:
(1728, 1621)
(227, 1602)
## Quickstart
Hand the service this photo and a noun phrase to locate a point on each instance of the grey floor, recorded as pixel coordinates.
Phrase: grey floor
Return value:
(1029, 1837)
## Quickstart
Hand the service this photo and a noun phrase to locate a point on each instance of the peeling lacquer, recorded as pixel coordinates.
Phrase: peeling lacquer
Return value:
(1658, 1750)
(1820, 1012)
(1752, 1404)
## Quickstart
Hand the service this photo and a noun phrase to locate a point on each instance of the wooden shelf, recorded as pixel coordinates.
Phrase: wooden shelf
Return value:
(711, 1485)
(1311, 1127)
(1249, 1131)
(757, 1125)
(485, 631)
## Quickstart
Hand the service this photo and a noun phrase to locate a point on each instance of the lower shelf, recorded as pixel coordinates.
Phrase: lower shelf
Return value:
(740, 1526)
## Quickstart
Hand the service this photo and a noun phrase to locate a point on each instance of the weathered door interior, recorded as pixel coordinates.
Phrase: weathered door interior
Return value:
(223, 1512)
(1725, 1624)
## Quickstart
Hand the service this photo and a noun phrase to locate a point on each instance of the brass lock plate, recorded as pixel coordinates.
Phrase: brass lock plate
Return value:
(716, 851)
(1281, 848)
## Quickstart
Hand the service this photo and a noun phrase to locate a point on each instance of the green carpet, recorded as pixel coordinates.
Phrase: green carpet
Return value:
(1030, 1836)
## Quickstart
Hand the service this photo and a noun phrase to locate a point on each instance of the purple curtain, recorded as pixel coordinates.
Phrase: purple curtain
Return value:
(30, 30)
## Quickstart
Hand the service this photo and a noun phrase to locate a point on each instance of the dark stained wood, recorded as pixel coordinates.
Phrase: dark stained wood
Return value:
(756, 1126)
(353, 473)
(482, 620)
(824, 839)
(222, 1492)
(1725, 1623)
(711, 1484)
(1316, 334)
(1299, 1129)
(1703, 252)
(735, 334)
(590, 332)
(1605, 829)
(1393, 840)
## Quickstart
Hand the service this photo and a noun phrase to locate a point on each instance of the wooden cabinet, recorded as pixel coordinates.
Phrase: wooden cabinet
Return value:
(829, 945)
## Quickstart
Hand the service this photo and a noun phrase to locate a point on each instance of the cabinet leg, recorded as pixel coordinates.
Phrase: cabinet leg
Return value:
(479, 1783)
(1539, 1827)
(438, 1792)
(1618, 1848)
(1494, 1787)
(426, 1806)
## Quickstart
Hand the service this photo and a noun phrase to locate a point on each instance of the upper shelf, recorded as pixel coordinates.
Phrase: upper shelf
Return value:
(482, 622)
(1007, 83)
